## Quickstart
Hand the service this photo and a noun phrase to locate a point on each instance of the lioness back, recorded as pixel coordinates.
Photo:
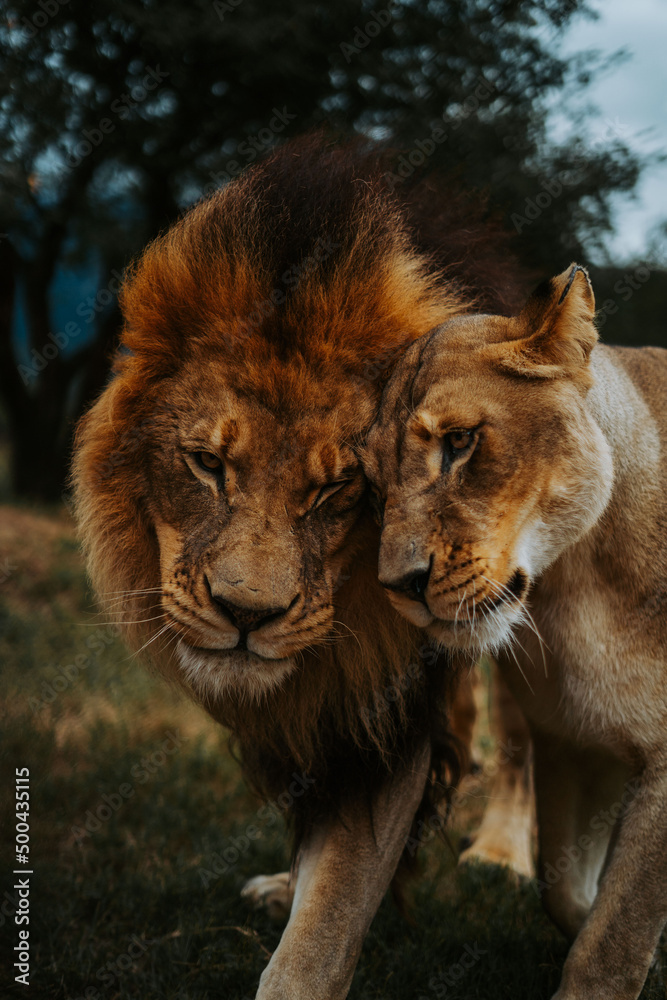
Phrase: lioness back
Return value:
(647, 367)
(629, 401)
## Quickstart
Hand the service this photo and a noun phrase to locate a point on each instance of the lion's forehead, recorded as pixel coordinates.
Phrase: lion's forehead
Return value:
(318, 443)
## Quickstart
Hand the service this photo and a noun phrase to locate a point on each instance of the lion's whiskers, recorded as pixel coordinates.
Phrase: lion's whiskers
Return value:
(139, 621)
(172, 639)
(350, 630)
(120, 601)
(152, 639)
(456, 616)
(127, 593)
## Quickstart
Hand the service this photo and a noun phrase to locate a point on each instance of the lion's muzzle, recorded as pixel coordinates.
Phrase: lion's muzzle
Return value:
(246, 617)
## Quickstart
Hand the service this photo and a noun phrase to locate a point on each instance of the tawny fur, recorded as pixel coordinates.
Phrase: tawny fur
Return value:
(524, 473)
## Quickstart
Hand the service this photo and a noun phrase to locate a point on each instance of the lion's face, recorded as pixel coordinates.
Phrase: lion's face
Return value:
(488, 464)
(254, 510)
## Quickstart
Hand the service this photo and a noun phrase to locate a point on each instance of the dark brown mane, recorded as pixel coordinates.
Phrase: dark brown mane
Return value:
(311, 252)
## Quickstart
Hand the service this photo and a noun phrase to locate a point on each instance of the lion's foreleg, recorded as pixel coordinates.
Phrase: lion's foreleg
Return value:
(345, 868)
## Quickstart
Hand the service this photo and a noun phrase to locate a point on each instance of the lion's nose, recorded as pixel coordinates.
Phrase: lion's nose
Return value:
(413, 584)
(245, 617)
(248, 619)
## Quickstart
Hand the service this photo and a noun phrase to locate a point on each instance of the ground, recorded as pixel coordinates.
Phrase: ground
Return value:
(142, 831)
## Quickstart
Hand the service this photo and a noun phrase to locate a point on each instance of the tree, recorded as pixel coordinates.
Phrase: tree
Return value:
(116, 114)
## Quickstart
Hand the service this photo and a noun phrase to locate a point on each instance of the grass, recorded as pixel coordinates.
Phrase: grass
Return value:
(134, 793)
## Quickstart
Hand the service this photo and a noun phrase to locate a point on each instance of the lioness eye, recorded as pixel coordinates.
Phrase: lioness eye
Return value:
(456, 444)
(207, 460)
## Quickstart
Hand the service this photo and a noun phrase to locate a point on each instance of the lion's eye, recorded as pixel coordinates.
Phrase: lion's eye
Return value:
(328, 491)
(458, 440)
(208, 461)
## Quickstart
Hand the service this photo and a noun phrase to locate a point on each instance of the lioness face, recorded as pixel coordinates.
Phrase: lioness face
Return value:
(487, 470)
(255, 512)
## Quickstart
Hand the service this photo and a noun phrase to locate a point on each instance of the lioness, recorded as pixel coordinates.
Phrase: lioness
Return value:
(522, 472)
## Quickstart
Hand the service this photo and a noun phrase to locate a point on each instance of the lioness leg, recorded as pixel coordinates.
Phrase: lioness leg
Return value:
(611, 957)
(506, 832)
(345, 868)
(577, 796)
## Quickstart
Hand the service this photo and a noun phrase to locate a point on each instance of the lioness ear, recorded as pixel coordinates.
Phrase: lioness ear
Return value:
(556, 327)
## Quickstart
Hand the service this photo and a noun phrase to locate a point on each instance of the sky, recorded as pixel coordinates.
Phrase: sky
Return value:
(632, 100)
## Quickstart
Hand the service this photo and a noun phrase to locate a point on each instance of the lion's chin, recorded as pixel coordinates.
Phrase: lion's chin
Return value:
(213, 673)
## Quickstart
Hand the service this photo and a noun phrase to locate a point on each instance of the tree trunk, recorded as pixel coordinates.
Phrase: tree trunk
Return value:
(43, 406)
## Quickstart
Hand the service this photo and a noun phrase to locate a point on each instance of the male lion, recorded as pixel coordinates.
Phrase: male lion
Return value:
(219, 492)
(525, 480)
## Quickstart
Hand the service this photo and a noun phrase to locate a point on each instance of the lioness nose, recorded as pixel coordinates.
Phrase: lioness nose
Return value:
(413, 585)
(248, 619)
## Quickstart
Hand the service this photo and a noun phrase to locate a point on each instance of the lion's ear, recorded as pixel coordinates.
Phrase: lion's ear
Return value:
(556, 329)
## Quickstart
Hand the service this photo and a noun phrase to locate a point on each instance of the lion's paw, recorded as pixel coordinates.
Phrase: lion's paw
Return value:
(513, 856)
(273, 893)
